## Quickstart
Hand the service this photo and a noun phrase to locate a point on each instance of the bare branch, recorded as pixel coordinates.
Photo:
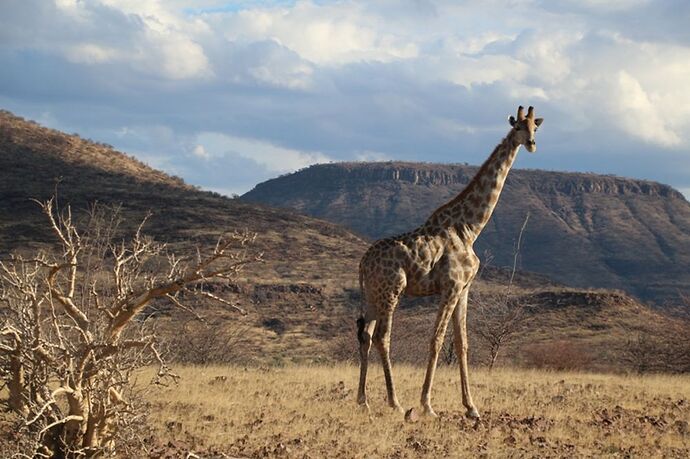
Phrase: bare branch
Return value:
(66, 419)
(53, 396)
(177, 303)
(225, 302)
(66, 301)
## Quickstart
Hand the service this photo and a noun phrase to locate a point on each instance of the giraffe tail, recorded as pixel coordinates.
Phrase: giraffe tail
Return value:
(360, 320)
(360, 329)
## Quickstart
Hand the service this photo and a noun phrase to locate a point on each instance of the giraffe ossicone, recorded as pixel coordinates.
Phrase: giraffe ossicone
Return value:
(436, 258)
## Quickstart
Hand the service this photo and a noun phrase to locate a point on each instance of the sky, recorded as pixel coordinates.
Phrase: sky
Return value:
(227, 94)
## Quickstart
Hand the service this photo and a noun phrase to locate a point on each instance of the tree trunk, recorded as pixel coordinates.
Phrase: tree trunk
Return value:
(494, 356)
(75, 429)
(17, 400)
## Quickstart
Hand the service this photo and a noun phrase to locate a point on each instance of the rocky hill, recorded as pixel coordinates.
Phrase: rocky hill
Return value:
(35, 162)
(585, 230)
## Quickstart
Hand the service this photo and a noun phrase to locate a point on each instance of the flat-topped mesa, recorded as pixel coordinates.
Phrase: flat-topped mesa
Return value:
(377, 172)
(437, 174)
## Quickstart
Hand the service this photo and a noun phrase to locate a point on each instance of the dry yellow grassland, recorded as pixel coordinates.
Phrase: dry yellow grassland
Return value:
(311, 412)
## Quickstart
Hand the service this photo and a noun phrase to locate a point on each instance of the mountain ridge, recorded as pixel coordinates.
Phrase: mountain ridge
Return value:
(427, 173)
(614, 232)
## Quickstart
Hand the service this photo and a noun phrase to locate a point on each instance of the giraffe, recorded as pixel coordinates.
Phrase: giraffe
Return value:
(436, 258)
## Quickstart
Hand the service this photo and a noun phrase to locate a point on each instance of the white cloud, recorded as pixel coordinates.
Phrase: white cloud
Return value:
(475, 44)
(637, 114)
(269, 64)
(168, 45)
(181, 57)
(452, 128)
(136, 35)
(324, 34)
(608, 5)
(271, 157)
(67, 5)
(90, 53)
(468, 71)
(368, 155)
(200, 152)
(547, 54)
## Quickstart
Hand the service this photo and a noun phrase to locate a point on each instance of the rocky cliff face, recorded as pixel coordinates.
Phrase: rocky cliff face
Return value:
(428, 174)
(585, 230)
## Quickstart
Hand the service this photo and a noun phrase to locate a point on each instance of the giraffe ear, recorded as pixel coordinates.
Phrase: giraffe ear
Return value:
(538, 121)
(511, 120)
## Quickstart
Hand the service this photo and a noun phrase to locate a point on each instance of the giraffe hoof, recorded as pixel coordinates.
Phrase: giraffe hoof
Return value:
(472, 413)
(429, 412)
(363, 406)
(397, 408)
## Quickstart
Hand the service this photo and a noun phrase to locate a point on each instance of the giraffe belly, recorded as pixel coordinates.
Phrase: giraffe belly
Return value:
(422, 284)
(454, 269)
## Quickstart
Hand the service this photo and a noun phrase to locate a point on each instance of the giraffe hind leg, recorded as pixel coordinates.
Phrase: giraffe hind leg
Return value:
(365, 330)
(382, 339)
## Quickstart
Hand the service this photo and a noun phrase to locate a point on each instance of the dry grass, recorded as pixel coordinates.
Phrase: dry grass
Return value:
(311, 412)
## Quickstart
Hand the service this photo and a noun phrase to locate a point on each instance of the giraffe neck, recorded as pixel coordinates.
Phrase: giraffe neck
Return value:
(470, 211)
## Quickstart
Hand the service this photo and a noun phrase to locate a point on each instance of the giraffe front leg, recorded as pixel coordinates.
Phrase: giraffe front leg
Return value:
(444, 314)
(461, 345)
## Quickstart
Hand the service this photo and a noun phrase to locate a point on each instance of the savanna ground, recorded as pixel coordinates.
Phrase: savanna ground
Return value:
(310, 412)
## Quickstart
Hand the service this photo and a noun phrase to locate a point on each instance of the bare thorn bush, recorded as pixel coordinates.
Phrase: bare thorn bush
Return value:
(661, 347)
(499, 317)
(202, 343)
(558, 355)
(73, 332)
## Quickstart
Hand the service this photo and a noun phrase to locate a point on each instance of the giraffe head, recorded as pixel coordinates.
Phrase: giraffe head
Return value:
(524, 128)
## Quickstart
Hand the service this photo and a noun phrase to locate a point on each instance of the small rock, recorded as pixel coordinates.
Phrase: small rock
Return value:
(411, 415)
(557, 399)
